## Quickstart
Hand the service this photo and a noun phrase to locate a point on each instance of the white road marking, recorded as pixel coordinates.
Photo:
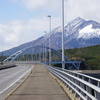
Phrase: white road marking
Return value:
(15, 81)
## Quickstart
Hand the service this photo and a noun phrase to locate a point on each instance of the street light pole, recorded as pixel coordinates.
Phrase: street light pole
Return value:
(63, 60)
(45, 47)
(49, 40)
(43, 52)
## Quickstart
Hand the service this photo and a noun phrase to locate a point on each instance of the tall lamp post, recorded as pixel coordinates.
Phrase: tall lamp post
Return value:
(63, 60)
(49, 39)
(43, 52)
(45, 47)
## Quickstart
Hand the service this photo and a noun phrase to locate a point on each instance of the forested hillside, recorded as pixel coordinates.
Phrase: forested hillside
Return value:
(89, 55)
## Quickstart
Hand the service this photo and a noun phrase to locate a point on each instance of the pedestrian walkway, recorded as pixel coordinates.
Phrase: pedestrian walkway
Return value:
(39, 86)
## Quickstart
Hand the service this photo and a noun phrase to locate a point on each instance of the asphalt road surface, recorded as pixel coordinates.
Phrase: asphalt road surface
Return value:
(10, 78)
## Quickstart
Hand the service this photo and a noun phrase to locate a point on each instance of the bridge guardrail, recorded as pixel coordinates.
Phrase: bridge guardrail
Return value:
(83, 86)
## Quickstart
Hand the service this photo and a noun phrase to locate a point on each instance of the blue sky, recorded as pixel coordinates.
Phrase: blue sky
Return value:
(25, 20)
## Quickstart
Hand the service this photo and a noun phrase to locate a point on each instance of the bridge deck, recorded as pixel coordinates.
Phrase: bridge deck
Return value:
(39, 86)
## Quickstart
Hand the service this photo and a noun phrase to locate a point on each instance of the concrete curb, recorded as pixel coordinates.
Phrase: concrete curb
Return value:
(18, 85)
(7, 66)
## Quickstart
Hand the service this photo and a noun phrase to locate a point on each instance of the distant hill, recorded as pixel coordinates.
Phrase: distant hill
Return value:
(78, 33)
(89, 55)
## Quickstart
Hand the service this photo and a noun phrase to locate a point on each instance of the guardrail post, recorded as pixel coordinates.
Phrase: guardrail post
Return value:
(88, 89)
(98, 84)
(83, 86)
(78, 83)
(97, 95)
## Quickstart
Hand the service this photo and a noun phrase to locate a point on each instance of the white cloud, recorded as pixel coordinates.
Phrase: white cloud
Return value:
(9, 35)
(41, 4)
(31, 4)
(18, 32)
(88, 9)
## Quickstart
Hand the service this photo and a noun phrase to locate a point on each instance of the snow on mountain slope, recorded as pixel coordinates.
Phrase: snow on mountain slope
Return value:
(73, 25)
(78, 28)
(89, 32)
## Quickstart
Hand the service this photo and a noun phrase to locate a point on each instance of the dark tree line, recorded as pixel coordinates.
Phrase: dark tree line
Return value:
(89, 55)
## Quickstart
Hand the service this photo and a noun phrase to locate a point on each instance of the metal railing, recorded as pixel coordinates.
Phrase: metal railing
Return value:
(83, 86)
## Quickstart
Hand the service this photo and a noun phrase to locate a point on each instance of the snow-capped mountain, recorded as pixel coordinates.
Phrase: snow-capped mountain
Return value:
(78, 33)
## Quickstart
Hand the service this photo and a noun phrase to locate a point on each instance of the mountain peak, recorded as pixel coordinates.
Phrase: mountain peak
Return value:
(76, 22)
(79, 19)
